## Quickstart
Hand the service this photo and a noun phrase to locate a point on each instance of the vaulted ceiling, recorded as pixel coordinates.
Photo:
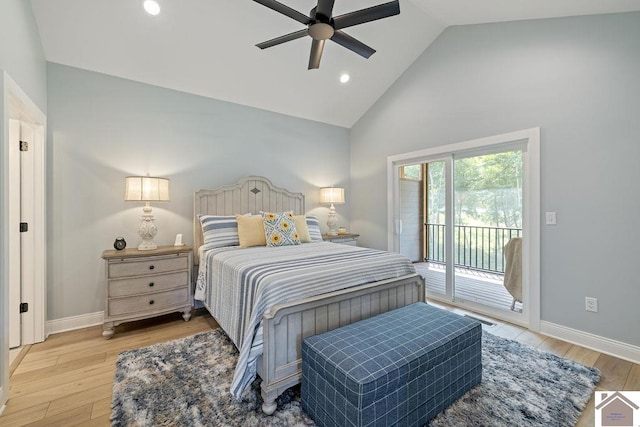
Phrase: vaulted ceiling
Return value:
(207, 47)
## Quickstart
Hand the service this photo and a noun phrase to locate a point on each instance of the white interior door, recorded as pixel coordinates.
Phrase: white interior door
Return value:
(22, 137)
(15, 327)
(27, 215)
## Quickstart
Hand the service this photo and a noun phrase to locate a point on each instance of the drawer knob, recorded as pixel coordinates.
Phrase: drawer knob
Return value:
(151, 302)
(151, 284)
(151, 267)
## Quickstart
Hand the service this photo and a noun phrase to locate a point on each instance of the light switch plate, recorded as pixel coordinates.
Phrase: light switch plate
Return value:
(550, 218)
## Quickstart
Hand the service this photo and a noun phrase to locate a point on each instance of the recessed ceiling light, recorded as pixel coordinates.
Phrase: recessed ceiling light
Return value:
(152, 7)
(344, 78)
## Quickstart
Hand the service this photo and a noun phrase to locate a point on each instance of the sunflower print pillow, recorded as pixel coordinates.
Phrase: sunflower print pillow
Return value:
(280, 229)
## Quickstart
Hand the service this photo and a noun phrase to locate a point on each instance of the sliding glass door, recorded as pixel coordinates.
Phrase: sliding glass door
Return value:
(460, 217)
(487, 204)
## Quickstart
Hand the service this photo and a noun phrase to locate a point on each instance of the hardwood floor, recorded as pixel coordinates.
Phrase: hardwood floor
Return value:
(67, 380)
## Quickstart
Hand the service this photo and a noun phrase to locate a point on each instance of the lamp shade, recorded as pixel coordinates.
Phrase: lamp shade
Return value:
(332, 195)
(146, 189)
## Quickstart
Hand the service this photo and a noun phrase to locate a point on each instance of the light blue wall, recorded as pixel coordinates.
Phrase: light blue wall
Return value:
(579, 80)
(103, 128)
(21, 54)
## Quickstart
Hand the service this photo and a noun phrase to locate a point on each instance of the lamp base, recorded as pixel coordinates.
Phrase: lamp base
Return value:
(332, 221)
(147, 231)
(147, 245)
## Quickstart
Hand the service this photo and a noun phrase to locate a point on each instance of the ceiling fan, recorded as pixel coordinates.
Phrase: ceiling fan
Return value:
(321, 26)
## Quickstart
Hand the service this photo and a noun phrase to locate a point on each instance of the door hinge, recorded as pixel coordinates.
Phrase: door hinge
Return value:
(24, 146)
(24, 227)
(24, 307)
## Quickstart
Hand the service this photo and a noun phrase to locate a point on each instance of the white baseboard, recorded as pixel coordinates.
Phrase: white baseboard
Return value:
(74, 322)
(594, 342)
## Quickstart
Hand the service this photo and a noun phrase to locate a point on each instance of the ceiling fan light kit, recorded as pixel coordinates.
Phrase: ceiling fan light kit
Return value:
(321, 31)
(322, 26)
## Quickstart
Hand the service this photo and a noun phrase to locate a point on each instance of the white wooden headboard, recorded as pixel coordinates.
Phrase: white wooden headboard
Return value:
(250, 194)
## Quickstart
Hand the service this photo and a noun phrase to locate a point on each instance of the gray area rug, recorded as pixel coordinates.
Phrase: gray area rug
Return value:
(186, 383)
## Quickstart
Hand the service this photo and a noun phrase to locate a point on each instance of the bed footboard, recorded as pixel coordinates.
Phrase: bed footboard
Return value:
(286, 325)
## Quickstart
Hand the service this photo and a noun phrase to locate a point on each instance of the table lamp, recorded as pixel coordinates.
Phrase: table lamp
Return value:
(332, 195)
(146, 189)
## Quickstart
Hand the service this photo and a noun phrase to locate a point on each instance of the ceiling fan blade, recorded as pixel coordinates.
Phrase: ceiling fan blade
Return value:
(344, 39)
(367, 15)
(316, 54)
(285, 10)
(283, 39)
(325, 7)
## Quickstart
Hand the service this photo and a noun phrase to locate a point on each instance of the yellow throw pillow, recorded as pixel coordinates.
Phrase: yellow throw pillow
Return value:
(303, 230)
(251, 231)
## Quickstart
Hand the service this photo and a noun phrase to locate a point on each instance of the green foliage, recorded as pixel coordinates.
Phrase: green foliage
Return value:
(412, 172)
(488, 190)
(436, 193)
(487, 199)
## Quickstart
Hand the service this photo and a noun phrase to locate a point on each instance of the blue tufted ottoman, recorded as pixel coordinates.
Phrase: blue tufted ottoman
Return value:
(401, 367)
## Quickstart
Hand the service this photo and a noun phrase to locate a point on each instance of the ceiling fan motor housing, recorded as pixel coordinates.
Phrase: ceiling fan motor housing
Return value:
(321, 31)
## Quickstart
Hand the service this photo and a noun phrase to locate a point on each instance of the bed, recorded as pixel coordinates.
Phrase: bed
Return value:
(327, 285)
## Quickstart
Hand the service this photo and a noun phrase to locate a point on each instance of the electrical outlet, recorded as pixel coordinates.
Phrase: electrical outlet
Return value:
(591, 304)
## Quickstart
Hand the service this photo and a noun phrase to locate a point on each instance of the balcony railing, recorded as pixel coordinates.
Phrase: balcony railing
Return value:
(477, 248)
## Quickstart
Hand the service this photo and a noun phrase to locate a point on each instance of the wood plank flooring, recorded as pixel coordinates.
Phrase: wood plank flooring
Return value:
(67, 380)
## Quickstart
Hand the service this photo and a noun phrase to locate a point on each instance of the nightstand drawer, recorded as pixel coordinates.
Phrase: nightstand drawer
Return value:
(153, 265)
(343, 239)
(351, 241)
(146, 284)
(150, 302)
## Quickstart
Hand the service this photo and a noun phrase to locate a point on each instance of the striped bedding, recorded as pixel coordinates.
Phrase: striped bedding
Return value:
(238, 286)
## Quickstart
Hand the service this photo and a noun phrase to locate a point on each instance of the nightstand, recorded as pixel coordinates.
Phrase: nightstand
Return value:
(345, 239)
(143, 284)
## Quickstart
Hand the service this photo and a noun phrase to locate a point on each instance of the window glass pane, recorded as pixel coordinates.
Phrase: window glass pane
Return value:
(488, 190)
(411, 172)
